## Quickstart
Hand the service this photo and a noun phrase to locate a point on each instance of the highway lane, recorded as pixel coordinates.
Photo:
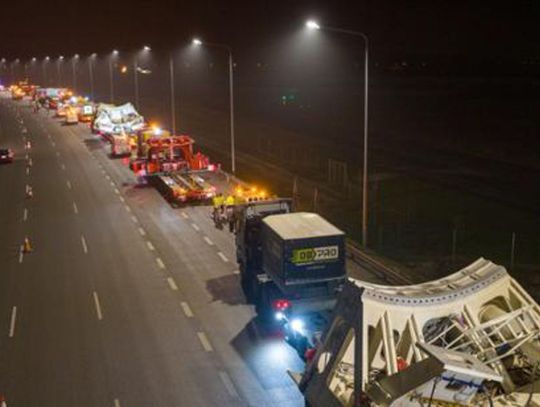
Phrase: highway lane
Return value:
(257, 363)
(171, 333)
(137, 347)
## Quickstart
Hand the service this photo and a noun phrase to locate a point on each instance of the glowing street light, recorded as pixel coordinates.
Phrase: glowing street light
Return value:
(147, 48)
(114, 53)
(313, 25)
(196, 41)
(91, 73)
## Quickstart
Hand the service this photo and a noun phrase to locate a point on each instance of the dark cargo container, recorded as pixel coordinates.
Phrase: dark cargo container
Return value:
(300, 248)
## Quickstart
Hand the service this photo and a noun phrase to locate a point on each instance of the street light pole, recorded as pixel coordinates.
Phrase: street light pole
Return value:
(111, 75)
(91, 74)
(314, 26)
(73, 62)
(45, 81)
(231, 95)
(173, 96)
(136, 79)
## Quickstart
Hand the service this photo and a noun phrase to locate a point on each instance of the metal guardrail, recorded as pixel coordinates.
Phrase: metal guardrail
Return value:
(376, 267)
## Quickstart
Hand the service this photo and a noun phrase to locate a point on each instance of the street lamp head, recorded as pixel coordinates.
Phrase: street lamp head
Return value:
(147, 48)
(115, 52)
(93, 55)
(47, 58)
(61, 57)
(76, 56)
(34, 59)
(312, 25)
(196, 41)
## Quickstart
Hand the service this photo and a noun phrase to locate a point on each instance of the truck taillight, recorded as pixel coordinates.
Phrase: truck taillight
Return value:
(281, 304)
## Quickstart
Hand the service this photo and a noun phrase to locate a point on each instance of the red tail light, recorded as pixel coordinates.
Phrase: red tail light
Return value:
(281, 304)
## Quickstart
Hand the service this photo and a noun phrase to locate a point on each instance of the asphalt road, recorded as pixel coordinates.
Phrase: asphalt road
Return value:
(124, 301)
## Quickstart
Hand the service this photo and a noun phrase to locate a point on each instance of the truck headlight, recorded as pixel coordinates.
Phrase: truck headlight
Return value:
(280, 316)
(297, 325)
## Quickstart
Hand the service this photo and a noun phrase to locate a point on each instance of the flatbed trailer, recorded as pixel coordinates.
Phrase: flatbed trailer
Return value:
(184, 187)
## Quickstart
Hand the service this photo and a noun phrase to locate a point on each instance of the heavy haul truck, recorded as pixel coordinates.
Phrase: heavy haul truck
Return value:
(292, 266)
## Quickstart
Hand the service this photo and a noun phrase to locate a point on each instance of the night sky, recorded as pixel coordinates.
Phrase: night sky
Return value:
(422, 27)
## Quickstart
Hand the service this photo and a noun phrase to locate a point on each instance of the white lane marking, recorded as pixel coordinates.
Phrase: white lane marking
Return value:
(107, 176)
(184, 215)
(128, 208)
(68, 184)
(12, 322)
(25, 214)
(117, 403)
(98, 306)
(58, 153)
(116, 191)
(150, 246)
(172, 284)
(112, 184)
(187, 309)
(142, 232)
(236, 271)
(27, 170)
(205, 342)
(21, 255)
(103, 171)
(223, 257)
(75, 209)
(207, 240)
(84, 246)
(195, 226)
(160, 263)
(134, 219)
(54, 145)
(226, 379)
(63, 167)
(122, 199)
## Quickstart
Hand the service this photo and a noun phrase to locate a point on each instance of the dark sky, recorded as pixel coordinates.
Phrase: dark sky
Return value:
(431, 27)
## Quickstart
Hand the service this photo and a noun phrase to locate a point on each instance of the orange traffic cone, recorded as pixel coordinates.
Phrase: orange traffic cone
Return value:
(27, 247)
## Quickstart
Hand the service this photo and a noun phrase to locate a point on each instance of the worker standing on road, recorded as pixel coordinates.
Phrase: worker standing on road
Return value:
(229, 207)
(218, 201)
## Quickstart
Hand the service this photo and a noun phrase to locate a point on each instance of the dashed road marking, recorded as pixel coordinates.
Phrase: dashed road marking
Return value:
(68, 184)
(160, 263)
(142, 232)
(27, 170)
(207, 240)
(187, 309)
(122, 199)
(134, 219)
(117, 403)
(223, 257)
(21, 255)
(236, 271)
(184, 215)
(63, 166)
(150, 246)
(12, 322)
(195, 226)
(116, 191)
(205, 342)
(75, 209)
(25, 214)
(58, 153)
(229, 385)
(172, 284)
(84, 246)
(98, 306)
(107, 176)
(128, 208)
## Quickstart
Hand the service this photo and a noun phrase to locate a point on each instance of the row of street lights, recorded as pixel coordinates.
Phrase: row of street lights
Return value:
(310, 25)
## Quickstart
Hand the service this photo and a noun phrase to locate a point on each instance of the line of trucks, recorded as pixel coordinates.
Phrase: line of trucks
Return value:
(469, 339)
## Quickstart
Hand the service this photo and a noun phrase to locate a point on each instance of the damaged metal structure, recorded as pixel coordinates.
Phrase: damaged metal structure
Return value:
(469, 339)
